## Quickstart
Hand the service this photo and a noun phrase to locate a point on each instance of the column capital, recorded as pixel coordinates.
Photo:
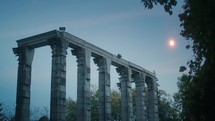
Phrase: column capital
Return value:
(122, 71)
(151, 82)
(78, 52)
(103, 63)
(139, 77)
(58, 46)
(25, 55)
(58, 42)
(99, 61)
(83, 56)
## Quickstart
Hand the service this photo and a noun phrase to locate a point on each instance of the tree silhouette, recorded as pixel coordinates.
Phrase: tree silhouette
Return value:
(198, 26)
(2, 115)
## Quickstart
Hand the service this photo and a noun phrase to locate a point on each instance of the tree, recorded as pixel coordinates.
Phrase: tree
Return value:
(183, 97)
(94, 105)
(2, 115)
(198, 27)
(71, 110)
(166, 3)
(115, 105)
(37, 112)
(197, 22)
(166, 108)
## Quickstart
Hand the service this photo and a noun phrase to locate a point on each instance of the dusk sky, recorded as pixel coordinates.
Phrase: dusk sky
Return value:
(119, 26)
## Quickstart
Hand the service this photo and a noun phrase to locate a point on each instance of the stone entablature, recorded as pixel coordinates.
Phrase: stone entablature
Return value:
(75, 42)
(60, 41)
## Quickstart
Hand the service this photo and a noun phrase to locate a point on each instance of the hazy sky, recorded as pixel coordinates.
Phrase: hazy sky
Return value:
(118, 26)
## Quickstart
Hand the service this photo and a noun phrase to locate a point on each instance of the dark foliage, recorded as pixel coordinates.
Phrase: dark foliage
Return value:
(166, 108)
(198, 25)
(71, 110)
(196, 89)
(167, 4)
(2, 115)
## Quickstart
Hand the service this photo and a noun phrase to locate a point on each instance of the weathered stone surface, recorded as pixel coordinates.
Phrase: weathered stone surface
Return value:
(126, 99)
(140, 97)
(23, 83)
(104, 88)
(58, 80)
(152, 99)
(83, 84)
(83, 50)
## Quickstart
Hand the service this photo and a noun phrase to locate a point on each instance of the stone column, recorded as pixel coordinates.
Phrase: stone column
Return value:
(126, 98)
(58, 79)
(140, 96)
(104, 88)
(152, 99)
(23, 83)
(83, 84)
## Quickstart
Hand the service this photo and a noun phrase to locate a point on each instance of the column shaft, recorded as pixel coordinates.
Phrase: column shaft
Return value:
(58, 80)
(23, 83)
(152, 99)
(104, 88)
(126, 97)
(140, 96)
(83, 84)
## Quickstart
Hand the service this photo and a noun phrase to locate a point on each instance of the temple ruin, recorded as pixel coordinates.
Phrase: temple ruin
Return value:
(60, 41)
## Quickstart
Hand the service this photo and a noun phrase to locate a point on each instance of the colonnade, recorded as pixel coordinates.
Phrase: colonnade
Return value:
(146, 104)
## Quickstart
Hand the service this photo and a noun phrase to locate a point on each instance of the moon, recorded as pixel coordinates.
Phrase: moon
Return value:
(172, 43)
